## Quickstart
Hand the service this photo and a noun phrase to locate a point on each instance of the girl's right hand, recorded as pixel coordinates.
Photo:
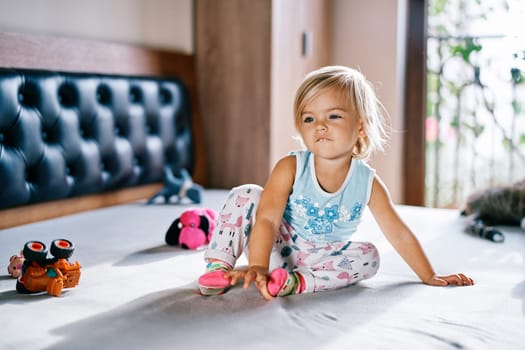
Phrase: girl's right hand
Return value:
(256, 274)
(259, 276)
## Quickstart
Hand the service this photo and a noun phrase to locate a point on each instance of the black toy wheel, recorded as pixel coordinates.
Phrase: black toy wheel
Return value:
(35, 251)
(20, 288)
(62, 248)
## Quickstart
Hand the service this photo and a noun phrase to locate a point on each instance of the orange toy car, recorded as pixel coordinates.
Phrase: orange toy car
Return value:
(43, 274)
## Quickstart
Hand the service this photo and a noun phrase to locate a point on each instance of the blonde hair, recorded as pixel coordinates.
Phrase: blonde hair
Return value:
(359, 95)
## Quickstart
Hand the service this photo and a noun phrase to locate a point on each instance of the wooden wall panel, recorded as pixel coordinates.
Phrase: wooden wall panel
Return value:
(415, 100)
(291, 20)
(249, 64)
(233, 52)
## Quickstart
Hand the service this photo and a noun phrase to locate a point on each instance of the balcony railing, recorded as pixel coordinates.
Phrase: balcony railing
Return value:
(475, 126)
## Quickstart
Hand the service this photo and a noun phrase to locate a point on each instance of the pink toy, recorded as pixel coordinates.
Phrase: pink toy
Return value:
(192, 229)
(15, 265)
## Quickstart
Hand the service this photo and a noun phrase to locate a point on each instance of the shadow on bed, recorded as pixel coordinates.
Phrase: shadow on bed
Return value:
(153, 254)
(518, 292)
(13, 297)
(180, 318)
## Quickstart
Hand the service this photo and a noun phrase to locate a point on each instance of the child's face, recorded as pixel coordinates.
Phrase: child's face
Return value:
(329, 127)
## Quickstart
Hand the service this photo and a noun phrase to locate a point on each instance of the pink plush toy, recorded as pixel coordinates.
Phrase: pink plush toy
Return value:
(192, 229)
(15, 265)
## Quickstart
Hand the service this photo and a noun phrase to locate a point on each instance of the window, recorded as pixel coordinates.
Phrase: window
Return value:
(474, 100)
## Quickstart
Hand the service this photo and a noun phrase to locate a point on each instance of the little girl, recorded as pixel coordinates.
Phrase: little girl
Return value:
(297, 232)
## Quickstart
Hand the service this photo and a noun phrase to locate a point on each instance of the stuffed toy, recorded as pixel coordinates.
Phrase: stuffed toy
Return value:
(42, 274)
(192, 229)
(15, 265)
(501, 205)
(180, 187)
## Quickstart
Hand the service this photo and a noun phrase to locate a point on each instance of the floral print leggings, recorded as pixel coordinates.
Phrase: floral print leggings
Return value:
(324, 266)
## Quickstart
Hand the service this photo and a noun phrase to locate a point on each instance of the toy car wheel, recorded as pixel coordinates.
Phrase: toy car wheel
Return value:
(35, 251)
(20, 288)
(62, 248)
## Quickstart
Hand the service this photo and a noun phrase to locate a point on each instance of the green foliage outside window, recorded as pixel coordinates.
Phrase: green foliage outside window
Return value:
(475, 126)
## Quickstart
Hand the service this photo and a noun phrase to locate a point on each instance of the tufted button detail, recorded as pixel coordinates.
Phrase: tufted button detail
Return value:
(28, 175)
(135, 95)
(85, 132)
(28, 94)
(103, 95)
(67, 95)
(165, 96)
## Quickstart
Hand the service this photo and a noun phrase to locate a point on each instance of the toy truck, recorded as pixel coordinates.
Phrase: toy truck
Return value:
(51, 275)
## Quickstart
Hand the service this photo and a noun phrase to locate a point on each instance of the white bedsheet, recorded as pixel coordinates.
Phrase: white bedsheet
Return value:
(136, 293)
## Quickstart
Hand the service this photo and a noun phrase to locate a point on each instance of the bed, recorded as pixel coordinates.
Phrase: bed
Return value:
(136, 292)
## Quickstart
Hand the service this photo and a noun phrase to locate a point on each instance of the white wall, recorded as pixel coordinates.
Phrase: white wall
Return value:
(164, 24)
(369, 35)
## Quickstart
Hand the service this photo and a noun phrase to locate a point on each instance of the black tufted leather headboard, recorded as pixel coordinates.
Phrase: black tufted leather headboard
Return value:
(68, 134)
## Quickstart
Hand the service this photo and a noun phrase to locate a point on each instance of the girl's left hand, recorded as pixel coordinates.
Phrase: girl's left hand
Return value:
(458, 279)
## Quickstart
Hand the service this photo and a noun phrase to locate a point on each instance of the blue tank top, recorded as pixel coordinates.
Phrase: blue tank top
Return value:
(319, 216)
